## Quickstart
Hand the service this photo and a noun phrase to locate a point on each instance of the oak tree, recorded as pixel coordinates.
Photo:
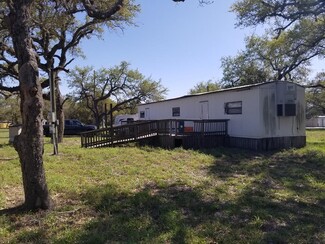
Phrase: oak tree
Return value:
(120, 84)
(315, 96)
(243, 69)
(205, 86)
(16, 18)
(299, 25)
(282, 14)
(57, 28)
(29, 144)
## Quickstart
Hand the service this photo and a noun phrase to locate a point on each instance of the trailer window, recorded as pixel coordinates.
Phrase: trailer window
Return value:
(289, 110)
(142, 114)
(176, 111)
(233, 108)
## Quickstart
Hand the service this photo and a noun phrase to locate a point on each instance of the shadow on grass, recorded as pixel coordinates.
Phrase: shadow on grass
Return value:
(2, 145)
(181, 214)
(317, 144)
(154, 214)
(15, 210)
(284, 202)
(289, 167)
(231, 161)
(286, 196)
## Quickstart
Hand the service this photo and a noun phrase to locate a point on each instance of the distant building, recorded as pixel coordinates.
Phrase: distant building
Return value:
(318, 121)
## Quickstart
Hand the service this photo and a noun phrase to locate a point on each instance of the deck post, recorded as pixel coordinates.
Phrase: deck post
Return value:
(136, 127)
(202, 134)
(82, 141)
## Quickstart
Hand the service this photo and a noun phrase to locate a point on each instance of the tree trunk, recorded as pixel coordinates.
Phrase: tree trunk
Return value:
(29, 144)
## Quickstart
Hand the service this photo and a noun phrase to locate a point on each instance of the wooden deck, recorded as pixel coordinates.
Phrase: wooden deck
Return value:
(164, 133)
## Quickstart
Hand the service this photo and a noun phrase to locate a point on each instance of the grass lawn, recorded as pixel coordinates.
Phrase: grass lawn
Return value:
(151, 195)
(4, 136)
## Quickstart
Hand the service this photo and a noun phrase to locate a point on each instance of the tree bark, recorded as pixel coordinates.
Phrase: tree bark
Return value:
(29, 144)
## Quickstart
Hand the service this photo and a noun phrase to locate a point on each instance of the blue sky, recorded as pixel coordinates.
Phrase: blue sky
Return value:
(179, 43)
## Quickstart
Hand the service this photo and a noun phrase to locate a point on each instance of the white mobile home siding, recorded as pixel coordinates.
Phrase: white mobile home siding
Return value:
(281, 126)
(191, 108)
(258, 119)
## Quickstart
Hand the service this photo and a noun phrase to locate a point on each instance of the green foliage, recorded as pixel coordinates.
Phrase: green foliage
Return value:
(119, 85)
(10, 109)
(286, 57)
(315, 96)
(77, 110)
(205, 86)
(151, 195)
(282, 55)
(281, 13)
(57, 28)
(296, 35)
(244, 69)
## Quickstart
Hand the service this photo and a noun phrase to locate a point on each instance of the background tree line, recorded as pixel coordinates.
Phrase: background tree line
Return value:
(294, 36)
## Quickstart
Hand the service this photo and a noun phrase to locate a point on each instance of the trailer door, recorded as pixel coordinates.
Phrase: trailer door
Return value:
(147, 114)
(204, 105)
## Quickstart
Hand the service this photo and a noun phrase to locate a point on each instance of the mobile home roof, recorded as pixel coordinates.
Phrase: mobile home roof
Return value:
(238, 88)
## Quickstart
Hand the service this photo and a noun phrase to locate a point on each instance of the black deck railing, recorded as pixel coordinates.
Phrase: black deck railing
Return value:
(137, 131)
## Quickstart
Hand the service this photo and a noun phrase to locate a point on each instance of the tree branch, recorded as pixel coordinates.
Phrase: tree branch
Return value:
(94, 12)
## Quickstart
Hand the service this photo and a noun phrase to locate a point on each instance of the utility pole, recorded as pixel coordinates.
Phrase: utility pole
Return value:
(53, 113)
(111, 115)
(106, 122)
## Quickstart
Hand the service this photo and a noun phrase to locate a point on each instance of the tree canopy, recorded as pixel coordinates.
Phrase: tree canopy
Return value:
(243, 69)
(300, 23)
(315, 96)
(30, 41)
(205, 86)
(120, 84)
(266, 58)
(281, 13)
(57, 28)
(294, 36)
(10, 111)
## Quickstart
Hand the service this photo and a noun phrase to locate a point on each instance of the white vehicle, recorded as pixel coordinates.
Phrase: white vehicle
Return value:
(123, 119)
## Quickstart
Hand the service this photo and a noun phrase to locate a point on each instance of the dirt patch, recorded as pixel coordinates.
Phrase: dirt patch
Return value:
(13, 196)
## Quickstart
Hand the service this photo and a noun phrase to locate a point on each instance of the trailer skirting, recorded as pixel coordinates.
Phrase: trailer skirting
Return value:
(212, 141)
(267, 144)
(186, 142)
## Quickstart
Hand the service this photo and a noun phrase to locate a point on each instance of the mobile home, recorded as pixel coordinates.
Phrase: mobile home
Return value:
(316, 122)
(262, 116)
